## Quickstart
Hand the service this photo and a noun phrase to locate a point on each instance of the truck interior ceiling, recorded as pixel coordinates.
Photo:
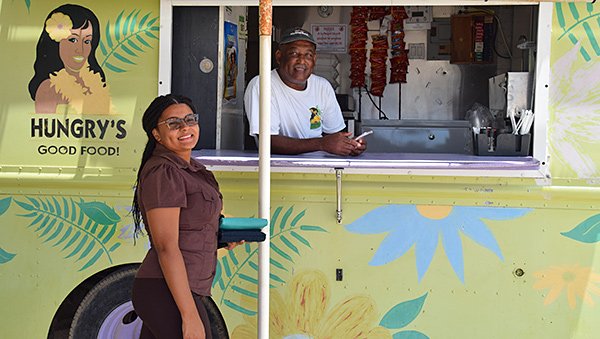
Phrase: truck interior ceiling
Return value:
(425, 79)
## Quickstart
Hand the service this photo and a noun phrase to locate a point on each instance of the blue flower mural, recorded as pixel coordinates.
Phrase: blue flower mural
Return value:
(423, 226)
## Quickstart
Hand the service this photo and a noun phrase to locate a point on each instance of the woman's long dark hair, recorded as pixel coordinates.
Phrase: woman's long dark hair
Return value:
(149, 122)
(47, 60)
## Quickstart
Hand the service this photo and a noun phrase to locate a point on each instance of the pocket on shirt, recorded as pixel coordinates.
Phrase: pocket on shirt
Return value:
(212, 201)
(203, 207)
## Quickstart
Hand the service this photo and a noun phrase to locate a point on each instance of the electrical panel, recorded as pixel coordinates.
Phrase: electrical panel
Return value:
(419, 18)
(472, 38)
(439, 43)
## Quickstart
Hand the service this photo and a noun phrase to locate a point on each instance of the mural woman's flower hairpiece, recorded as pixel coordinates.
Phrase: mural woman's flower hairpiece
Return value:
(59, 26)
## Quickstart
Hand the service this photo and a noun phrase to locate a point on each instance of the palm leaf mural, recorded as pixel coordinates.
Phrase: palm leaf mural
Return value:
(28, 4)
(4, 204)
(237, 272)
(127, 39)
(580, 25)
(82, 230)
(5, 256)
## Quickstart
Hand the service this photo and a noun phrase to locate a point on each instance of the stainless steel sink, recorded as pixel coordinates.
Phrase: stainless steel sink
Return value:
(418, 136)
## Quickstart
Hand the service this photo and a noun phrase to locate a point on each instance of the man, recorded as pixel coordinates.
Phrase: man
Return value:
(305, 115)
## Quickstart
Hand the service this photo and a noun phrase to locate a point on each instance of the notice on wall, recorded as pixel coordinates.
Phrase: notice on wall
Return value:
(231, 61)
(331, 38)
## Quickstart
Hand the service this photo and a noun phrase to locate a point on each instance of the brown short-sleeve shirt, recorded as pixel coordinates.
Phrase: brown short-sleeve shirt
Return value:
(168, 181)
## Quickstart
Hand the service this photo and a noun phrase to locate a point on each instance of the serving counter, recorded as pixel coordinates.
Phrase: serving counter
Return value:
(377, 163)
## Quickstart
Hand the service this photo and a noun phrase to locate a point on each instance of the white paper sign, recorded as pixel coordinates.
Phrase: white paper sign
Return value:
(331, 38)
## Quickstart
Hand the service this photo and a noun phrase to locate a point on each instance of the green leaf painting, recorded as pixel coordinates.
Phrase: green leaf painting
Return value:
(5, 256)
(588, 231)
(4, 204)
(28, 4)
(580, 24)
(99, 212)
(403, 313)
(237, 272)
(84, 231)
(410, 335)
(126, 39)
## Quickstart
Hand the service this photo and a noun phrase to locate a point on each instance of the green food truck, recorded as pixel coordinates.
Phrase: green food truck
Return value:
(474, 212)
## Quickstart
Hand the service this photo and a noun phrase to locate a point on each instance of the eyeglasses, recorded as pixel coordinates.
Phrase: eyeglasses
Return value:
(177, 123)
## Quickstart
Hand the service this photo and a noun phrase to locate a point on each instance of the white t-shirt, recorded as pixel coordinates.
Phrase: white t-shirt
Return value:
(296, 114)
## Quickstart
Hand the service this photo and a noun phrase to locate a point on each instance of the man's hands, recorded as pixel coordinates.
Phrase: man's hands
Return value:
(338, 143)
(361, 148)
(341, 144)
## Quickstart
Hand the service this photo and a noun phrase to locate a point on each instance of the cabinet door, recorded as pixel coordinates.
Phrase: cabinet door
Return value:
(472, 39)
(462, 39)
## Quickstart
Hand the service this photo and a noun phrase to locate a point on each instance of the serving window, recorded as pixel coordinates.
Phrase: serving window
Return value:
(457, 81)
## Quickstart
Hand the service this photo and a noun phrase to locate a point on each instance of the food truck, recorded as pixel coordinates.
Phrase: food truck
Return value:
(475, 211)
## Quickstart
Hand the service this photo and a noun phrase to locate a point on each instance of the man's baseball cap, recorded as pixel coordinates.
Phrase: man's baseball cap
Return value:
(296, 34)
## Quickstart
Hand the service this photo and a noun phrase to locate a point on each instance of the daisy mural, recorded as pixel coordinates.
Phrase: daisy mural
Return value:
(423, 226)
(574, 135)
(306, 313)
(577, 282)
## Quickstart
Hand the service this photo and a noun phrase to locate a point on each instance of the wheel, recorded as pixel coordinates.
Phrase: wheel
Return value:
(106, 311)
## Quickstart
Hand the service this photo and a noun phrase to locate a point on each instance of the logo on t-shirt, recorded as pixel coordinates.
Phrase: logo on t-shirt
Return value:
(315, 117)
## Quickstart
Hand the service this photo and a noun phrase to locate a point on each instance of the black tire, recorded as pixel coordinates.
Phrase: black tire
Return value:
(106, 311)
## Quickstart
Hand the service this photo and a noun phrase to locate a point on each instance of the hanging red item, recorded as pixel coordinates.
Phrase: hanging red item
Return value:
(399, 59)
(377, 12)
(358, 43)
(399, 14)
(399, 53)
(378, 59)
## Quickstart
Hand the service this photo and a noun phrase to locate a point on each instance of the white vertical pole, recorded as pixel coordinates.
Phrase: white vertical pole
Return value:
(165, 47)
(264, 163)
(542, 90)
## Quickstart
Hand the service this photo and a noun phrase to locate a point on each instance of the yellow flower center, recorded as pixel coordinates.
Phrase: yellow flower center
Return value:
(434, 212)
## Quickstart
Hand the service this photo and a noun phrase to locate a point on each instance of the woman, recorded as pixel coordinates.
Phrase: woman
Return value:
(68, 78)
(179, 201)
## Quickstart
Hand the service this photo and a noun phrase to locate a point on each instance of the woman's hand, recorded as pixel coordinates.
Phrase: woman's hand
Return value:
(232, 245)
(193, 328)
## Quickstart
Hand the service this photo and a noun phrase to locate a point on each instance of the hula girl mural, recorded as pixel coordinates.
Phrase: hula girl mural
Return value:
(68, 78)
